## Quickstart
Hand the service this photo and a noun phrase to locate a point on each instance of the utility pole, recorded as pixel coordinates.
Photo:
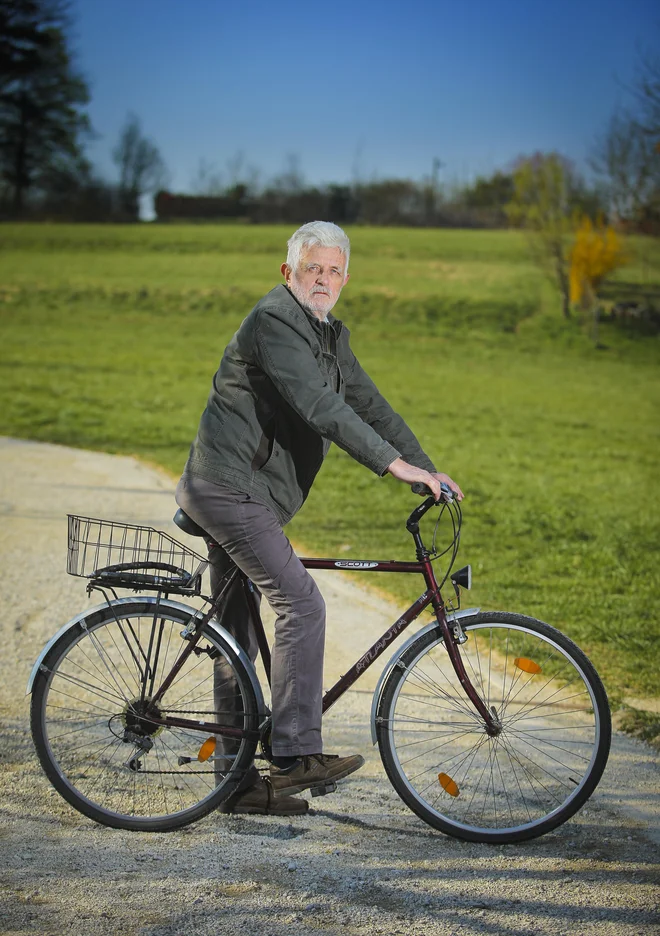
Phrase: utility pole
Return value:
(432, 200)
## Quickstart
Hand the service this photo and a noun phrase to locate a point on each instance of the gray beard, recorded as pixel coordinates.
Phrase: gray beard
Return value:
(308, 304)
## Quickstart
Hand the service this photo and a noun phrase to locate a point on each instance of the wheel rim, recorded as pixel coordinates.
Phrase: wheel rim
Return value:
(535, 769)
(95, 718)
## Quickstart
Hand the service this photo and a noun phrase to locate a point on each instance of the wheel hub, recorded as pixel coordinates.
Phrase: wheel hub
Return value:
(494, 729)
(139, 716)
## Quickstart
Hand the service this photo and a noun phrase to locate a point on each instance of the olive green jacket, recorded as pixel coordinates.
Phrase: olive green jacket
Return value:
(288, 385)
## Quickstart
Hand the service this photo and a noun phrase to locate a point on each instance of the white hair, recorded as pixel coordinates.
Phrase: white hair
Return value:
(316, 234)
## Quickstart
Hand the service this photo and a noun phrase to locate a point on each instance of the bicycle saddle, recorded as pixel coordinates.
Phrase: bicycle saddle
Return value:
(187, 524)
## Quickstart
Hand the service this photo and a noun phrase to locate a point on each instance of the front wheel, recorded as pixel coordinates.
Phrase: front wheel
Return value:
(548, 756)
(93, 702)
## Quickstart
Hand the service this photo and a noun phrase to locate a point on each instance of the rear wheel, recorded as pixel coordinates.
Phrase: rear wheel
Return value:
(93, 717)
(532, 776)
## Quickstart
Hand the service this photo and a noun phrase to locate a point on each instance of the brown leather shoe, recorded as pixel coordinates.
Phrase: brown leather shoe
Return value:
(312, 770)
(260, 800)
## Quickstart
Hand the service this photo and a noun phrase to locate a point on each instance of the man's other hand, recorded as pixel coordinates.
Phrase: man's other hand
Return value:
(409, 474)
(445, 479)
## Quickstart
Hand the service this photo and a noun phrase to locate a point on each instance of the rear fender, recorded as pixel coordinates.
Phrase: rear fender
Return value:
(164, 604)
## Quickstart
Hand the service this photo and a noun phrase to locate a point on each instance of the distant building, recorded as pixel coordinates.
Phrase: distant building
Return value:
(233, 204)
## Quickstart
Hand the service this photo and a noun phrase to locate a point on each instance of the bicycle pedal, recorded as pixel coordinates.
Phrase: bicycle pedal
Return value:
(323, 788)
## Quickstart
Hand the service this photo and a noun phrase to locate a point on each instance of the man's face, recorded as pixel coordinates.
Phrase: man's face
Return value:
(319, 279)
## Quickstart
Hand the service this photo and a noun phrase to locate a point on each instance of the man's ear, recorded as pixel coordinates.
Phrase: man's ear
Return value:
(285, 270)
(346, 278)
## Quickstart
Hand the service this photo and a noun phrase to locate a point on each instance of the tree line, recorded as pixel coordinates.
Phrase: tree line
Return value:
(483, 203)
(44, 173)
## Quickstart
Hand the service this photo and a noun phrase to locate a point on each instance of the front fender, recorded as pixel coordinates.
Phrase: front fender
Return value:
(165, 604)
(468, 612)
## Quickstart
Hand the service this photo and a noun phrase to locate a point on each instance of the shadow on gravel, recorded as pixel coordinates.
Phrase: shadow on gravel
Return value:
(379, 872)
(265, 829)
(572, 840)
(378, 912)
(252, 876)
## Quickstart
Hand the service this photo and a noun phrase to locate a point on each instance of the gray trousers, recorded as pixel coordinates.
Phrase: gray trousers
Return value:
(249, 535)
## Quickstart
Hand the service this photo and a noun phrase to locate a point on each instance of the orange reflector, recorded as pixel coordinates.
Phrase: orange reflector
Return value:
(527, 666)
(448, 784)
(206, 749)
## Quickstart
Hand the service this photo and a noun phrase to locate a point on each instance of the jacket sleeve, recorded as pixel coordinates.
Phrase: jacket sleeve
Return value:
(363, 396)
(286, 356)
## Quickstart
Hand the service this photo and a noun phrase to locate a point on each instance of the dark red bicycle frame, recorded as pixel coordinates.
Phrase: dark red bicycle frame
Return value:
(430, 596)
(372, 654)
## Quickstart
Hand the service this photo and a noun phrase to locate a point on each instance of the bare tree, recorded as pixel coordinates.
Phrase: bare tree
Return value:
(647, 92)
(627, 155)
(141, 168)
(242, 174)
(542, 204)
(208, 180)
(626, 159)
(357, 166)
(292, 180)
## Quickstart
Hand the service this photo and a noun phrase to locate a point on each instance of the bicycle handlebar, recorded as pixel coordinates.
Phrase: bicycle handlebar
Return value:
(418, 487)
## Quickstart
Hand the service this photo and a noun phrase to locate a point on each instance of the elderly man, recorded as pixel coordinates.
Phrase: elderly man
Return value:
(288, 385)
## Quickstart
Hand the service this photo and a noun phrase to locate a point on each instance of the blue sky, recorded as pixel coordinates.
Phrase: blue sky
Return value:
(361, 88)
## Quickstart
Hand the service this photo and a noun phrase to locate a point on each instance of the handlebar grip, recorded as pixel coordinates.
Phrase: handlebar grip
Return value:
(418, 487)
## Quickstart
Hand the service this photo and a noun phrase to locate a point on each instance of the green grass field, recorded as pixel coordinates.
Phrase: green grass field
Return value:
(111, 336)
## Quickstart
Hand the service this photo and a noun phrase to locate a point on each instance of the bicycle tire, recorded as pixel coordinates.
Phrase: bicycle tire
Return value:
(88, 697)
(530, 778)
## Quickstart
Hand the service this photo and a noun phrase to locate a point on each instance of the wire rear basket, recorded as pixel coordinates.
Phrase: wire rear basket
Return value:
(129, 556)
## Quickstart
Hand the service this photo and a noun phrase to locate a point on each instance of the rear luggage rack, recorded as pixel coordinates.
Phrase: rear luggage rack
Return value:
(125, 555)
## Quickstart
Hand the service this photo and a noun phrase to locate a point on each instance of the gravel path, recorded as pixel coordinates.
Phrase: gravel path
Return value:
(360, 863)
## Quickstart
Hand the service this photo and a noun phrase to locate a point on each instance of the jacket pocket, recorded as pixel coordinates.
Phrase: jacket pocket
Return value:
(263, 453)
(266, 446)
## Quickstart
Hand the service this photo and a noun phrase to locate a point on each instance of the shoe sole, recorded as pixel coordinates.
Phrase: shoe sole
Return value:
(298, 788)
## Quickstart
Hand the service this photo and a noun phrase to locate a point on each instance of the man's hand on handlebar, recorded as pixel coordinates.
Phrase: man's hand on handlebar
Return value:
(409, 474)
(445, 479)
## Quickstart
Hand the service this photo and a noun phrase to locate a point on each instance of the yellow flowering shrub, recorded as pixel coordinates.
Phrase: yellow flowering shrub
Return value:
(597, 251)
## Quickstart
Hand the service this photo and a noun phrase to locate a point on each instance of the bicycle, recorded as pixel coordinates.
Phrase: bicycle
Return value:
(492, 726)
